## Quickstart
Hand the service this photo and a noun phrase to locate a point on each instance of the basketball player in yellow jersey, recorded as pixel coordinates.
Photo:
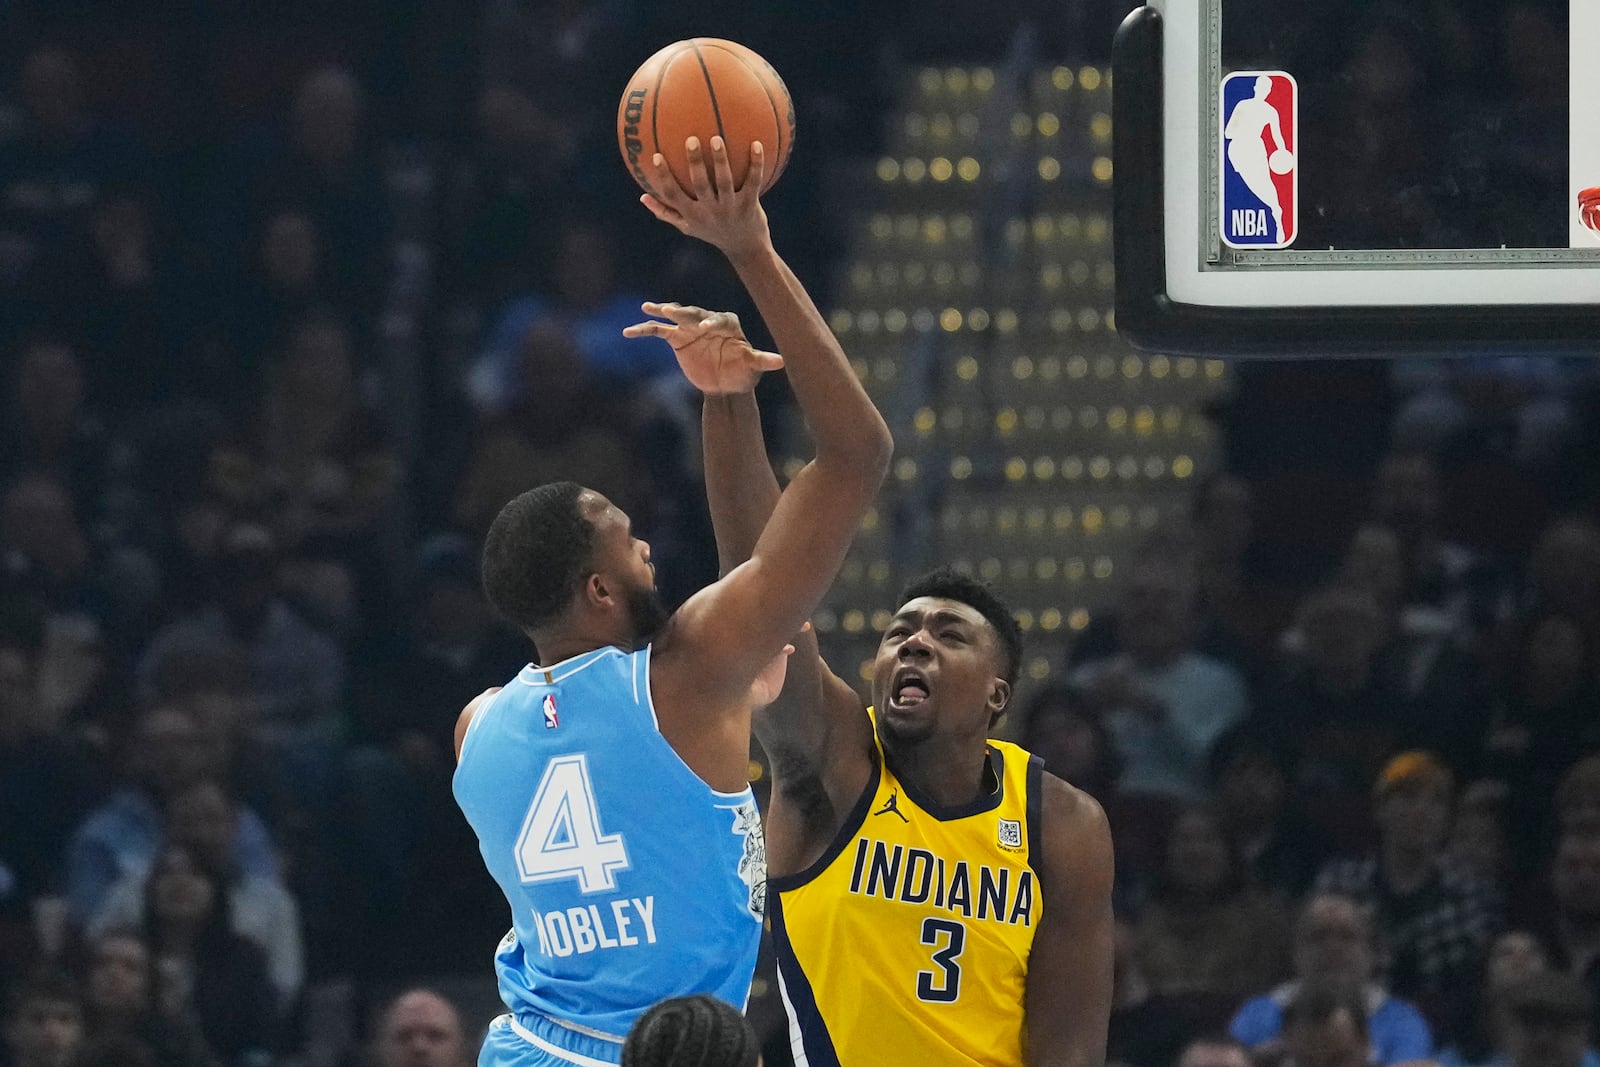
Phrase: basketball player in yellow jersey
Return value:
(935, 898)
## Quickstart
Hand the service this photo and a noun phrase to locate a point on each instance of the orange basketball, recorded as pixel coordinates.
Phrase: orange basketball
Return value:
(701, 88)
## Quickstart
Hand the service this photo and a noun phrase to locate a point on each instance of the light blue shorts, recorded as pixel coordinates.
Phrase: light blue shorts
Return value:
(538, 1042)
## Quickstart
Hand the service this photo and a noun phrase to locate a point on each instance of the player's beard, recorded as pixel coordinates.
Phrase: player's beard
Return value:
(647, 614)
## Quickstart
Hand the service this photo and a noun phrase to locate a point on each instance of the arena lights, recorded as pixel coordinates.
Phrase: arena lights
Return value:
(1021, 125)
(913, 170)
(888, 169)
(1049, 168)
(941, 126)
(1075, 569)
(1182, 467)
(1090, 78)
(869, 521)
(854, 621)
(1132, 367)
(881, 619)
(1022, 368)
(1079, 619)
(967, 368)
(961, 468)
(924, 421)
(1050, 620)
(905, 469)
(968, 169)
(1048, 124)
(1046, 570)
(941, 169)
(1100, 128)
(1050, 368)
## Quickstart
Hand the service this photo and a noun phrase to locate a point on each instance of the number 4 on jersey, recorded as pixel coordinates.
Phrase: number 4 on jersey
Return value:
(561, 837)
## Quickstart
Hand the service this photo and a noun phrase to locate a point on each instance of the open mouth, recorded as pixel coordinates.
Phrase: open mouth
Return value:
(908, 688)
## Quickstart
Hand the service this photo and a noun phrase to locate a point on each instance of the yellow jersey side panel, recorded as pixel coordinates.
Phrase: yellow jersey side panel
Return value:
(908, 941)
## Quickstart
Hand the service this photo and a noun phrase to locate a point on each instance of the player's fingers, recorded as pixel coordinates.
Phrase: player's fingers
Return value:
(699, 176)
(669, 191)
(721, 169)
(766, 361)
(649, 329)
(682, 314)
(663, 212)
(757, 175)
(788, 650)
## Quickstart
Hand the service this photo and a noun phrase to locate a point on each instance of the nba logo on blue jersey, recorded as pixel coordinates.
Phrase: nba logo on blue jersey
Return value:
(1260, 159)
(550, 720)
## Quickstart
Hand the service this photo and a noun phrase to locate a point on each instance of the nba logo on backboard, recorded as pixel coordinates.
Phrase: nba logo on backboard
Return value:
(550, 720)
(1260, 164)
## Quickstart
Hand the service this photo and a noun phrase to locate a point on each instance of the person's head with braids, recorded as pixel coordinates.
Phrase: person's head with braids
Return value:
(697, 1031)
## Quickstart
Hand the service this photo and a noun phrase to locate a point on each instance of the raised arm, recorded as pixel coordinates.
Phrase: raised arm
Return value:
(816, 733)
(724, 635)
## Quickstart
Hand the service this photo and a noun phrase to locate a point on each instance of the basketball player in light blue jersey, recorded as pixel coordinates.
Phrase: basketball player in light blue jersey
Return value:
(607, 783)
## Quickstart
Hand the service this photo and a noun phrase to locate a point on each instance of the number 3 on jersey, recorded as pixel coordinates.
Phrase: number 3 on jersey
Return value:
(561, 837)
(951, 937)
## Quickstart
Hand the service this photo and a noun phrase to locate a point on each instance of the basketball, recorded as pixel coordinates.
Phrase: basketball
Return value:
(1281, 161)
(703, 87)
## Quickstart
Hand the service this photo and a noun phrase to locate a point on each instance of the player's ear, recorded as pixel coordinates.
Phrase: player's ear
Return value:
(999, 697)
(596, 592)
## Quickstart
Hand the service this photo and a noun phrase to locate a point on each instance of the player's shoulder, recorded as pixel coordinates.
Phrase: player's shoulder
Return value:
(1073, 826)
(464, 720)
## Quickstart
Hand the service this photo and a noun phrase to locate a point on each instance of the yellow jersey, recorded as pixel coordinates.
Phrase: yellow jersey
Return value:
(907, 942)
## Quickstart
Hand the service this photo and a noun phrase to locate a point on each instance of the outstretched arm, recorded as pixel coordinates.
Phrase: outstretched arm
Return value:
(721, 638)
(816, 734)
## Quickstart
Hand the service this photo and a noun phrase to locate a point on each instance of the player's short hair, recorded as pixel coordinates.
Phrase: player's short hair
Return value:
(697, 1031)
(537, 554)
(947, 583)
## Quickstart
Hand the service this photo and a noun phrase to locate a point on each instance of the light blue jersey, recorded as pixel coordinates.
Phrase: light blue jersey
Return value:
(630, 880)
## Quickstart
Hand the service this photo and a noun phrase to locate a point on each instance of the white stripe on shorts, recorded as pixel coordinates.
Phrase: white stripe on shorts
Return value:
(559, 1053)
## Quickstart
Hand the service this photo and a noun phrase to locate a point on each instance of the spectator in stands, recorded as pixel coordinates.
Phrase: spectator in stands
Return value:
(121, 1002)
(1326, 1026)
(1437, 573)
(47, 563)
(168, 754)
(1548, 1023)
(565, 424)
(298, 674)
(1214, 1050)
(421, 1029)
(288, 281)
(58, 160)
(315, 453)
(48, 430)
(1163, 702)
(590, 306)
(1577, 800)
(1569, 919)
(330, 168)
(201, 965)
(1513, 957)
(1074, 745)
(1208, 931)
(1542, 724)
(1332, 711)
(1564, 576)
(1251, 781)
(1480, 836)
(46, 783)
(1433, 918)
(44, 1022)
(1333, 946)
(204, 819)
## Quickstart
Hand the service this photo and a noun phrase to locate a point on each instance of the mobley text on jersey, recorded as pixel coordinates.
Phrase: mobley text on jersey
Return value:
(585, 929)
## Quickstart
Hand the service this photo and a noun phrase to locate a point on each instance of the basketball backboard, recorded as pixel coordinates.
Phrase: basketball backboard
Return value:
(1324, 177)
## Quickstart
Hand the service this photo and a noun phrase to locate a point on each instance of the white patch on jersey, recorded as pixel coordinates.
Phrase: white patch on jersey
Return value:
(1010, 833)
(753, 863)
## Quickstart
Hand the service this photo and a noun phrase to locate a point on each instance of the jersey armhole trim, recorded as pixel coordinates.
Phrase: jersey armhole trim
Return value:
(641, 661)
(847, 831)
(1035, 805)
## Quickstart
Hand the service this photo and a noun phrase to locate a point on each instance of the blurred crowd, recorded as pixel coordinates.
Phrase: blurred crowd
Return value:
(291, 302)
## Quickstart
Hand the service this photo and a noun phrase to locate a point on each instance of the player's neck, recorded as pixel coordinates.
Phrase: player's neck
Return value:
(950, 771)
(558, 646)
